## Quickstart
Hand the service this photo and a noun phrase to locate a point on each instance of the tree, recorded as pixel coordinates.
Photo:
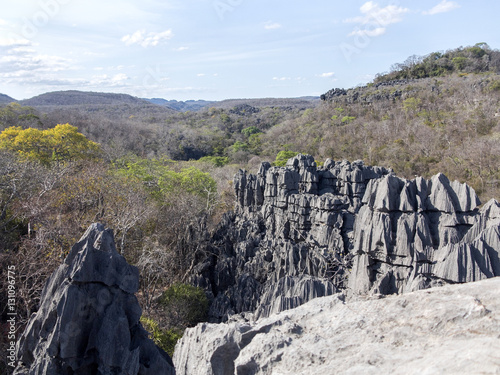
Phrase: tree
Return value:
(460, 62)
(14, 114)
(247, 132)
(283, 157)
(61, 143)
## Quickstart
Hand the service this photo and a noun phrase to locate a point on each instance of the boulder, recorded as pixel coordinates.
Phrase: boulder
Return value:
(449, 330)
(88, 319)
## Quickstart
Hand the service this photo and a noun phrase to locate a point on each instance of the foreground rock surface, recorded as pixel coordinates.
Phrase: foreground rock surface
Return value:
(88, 320)
(453, 329)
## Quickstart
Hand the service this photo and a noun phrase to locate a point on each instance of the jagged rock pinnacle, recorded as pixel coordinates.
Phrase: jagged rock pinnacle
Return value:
(88, 320)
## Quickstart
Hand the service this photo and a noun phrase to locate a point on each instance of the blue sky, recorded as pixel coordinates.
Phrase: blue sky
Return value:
(220, 49)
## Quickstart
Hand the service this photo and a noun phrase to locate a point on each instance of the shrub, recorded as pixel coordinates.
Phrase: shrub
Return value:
(184, 305)
(495, 85)
(247, 132)
(283, 157)
(217, 161)
(164, 338)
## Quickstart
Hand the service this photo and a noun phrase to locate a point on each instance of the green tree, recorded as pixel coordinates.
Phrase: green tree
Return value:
(189, 180)
(459, 62)
(218, 161)
(247, 132)
(185, 305)
(283, 157)
(164, 338)
(239, 146)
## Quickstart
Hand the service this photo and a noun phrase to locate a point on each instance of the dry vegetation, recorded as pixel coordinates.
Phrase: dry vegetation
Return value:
(160, 179)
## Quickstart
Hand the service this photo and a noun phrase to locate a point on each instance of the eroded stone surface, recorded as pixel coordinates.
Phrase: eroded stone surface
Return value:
(454, 329)
(304, 228)
(88, 320)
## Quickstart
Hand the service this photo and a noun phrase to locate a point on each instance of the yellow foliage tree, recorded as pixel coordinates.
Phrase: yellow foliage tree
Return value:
(61, 143)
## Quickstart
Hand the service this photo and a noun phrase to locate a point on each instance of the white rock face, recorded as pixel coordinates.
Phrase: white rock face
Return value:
(453, 329)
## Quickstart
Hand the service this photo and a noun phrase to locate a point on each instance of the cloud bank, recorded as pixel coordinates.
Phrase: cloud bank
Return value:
(147, 39)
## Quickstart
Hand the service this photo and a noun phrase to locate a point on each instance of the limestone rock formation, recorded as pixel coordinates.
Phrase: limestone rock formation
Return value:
(302, 231)
(454, 329)
(88, 320)
(411, 235)
(289, 240)
(382, 91)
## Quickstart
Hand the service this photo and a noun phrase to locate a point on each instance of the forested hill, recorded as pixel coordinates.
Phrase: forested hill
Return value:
(73, 98)
(479, 58)
(300, 103)
(437, 113)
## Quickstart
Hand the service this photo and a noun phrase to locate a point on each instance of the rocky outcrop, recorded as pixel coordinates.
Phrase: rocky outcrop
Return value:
(411, 235)
(449, 330)
(289, 240)
(302, 231)
(374, 92)
(88, 320)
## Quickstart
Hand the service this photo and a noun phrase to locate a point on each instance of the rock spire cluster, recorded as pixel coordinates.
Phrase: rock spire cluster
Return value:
(303, 231)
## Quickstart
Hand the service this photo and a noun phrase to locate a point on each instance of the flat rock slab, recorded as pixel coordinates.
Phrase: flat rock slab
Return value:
(453, 329)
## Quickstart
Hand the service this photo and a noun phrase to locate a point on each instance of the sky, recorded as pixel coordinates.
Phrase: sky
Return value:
(225, 49)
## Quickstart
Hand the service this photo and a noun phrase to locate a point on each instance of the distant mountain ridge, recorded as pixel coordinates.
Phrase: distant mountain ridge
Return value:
(301, 102)
(182, 106)
(74, 97)
(196, 105)
(89, 98)
(6, 99)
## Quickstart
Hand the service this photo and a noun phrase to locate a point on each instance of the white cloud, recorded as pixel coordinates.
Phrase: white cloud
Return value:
(373, 32)
(25, 66)
(9, 40)
(375, 19)
(272, 25)
(443, 7)
(106, 80)
(326, 75)
(201, 74)
(147, 40)
(281, 78)
(179, 49)
(19, 59)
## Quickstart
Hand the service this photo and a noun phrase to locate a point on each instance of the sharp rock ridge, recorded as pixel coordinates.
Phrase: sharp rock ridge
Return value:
(301, 231)
(88, 319)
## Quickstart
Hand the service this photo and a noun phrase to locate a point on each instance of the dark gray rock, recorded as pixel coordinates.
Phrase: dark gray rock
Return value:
(290, 238)
(416, 234)
(302, 231)
(88, 320)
